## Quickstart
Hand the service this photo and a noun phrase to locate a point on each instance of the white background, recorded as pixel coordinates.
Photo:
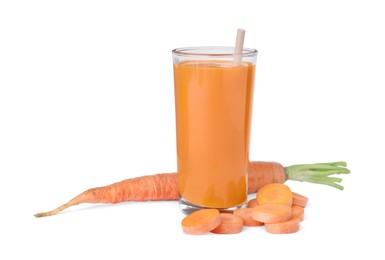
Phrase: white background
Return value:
(86, 99)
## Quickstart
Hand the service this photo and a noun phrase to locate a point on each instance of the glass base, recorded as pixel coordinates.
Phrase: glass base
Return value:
(188, 208)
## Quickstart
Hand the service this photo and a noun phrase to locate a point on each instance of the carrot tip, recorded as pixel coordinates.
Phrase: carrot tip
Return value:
(43, 214)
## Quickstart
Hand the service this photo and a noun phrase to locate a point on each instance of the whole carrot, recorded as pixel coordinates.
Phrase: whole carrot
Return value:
(152, 187)
(165, 186)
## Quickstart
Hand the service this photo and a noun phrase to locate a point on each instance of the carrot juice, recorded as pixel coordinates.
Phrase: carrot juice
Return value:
(213, 101)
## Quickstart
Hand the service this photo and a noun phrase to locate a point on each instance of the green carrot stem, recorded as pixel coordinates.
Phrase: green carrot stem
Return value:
(318, 173)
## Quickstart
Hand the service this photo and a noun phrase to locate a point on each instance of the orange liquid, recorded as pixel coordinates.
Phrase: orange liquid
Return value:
(213, 119)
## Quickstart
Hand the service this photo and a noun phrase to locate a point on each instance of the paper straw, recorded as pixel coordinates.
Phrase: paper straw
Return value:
(239, 46)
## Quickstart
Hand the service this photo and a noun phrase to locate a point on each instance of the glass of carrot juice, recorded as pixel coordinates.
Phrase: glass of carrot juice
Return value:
(213, 105)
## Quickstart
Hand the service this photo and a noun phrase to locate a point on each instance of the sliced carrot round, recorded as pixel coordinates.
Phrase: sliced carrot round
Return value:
(246, 215)
(201, 221)
(297, 212)
(299, 200)
(272, 213)
(276, 193)
(286, 227)
(252, 203)
(230, 224)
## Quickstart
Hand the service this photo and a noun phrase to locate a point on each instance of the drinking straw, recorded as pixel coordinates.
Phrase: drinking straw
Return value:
(239, 46)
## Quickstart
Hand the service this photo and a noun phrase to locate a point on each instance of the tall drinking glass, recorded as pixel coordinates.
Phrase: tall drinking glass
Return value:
(213, 103)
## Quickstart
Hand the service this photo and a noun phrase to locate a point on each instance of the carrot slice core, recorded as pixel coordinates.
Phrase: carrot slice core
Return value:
(276, 193)
(201, 221)
(230, 224)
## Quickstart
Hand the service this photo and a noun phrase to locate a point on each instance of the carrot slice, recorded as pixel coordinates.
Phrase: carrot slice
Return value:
(286, 227)
(299, 200)
(252, 203)
(276, 193)
(297, 212)
(272, 213)
(246, 215)
(201, 221)
(230, 224)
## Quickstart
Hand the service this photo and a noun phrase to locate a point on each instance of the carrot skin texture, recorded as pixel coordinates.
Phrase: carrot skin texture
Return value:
(262, 173)
(287, 227)
(297, 212)
(152, 187)
(299, 200)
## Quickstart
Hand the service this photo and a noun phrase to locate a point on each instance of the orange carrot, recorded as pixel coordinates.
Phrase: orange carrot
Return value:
(297, 212)
(201, 221)
(285, 227)
(256, 180)
(299, 200)
(252, 203)
(230, 224)
(276, 193)
(152, 187)
(165, 186)
(246, 215)
(271, 213)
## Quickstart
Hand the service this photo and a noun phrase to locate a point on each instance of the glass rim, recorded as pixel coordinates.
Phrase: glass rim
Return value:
(212, 51)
